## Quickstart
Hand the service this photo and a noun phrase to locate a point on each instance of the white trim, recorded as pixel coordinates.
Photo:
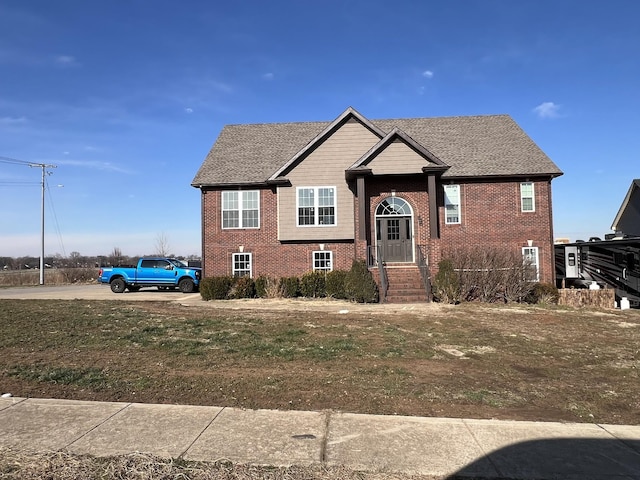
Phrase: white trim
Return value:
(316, 206)
(533, 254)
(233, 263)
(532, 197)
(240, 209)
(453, 188)
(410, 215)
(323, 252)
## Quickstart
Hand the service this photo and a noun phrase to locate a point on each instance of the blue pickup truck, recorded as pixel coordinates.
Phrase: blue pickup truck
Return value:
(164, 273)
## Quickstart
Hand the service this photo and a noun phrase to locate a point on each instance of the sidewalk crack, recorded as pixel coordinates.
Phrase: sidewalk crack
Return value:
(97, 426)
(201, 432)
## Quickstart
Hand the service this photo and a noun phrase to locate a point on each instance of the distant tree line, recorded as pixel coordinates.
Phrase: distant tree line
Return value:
(77, 260)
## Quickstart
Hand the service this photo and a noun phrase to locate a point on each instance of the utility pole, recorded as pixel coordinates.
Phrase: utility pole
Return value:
(43, 166)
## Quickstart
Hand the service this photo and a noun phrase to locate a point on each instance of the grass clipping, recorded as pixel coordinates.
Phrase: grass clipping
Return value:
(15, 464)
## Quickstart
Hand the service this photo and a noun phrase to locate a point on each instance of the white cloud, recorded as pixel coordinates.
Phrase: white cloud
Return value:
(427, 74)
(95, 165)
(66, 60)
(547, 110)
(268, 76)
(188, 110)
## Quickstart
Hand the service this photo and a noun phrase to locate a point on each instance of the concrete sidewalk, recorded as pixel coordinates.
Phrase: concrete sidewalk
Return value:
(413, 445)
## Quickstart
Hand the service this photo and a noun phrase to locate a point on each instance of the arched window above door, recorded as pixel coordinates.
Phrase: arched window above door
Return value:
(393, 206)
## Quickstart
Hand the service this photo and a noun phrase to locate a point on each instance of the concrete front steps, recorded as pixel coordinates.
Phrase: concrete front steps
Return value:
(405, 284)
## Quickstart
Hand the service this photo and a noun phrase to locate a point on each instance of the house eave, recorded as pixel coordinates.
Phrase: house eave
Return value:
(504, 176)
(237, 185)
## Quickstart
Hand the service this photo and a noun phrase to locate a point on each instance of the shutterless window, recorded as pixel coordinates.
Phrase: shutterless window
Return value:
(323, 261)
(530, 258)
(241, 209)
(316, 206)
(452, 204)
(241, 265)
(527, 197)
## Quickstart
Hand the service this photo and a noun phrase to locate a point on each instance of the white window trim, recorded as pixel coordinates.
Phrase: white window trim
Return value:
(316, 207)
(533, 197)
(239, 210)
(536, 257)
(459, 204)
(313, 260)
(233, 263)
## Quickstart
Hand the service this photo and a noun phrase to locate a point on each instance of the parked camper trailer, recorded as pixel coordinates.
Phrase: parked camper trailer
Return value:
(610, 263)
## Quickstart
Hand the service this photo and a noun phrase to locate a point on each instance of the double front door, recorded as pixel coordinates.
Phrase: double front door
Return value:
(395, 238)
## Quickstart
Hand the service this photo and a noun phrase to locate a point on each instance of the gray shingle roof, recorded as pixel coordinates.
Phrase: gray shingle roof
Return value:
(473, 146)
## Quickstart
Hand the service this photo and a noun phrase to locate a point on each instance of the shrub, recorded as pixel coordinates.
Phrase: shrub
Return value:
(446, 284)
(289, 287)
(335, 284)
(261, 284)
(360, 285)
(544, 293)
(312, 284)
(215, 288)
(483, 273)
(243, 287)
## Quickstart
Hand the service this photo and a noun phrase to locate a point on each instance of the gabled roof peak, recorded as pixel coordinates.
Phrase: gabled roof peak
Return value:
(398, 134)
(344, 117)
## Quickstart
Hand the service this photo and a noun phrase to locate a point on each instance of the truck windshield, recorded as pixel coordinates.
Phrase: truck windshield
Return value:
(178, 263)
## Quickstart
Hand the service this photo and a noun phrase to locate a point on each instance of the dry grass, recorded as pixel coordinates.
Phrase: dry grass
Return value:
(65, 466)
(475, 361)
(57, 276)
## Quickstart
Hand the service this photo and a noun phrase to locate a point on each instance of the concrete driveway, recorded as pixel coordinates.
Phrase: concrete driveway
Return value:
(92, 292)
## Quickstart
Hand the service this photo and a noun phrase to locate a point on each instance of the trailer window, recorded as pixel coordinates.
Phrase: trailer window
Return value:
(631, 261)
(618, 258)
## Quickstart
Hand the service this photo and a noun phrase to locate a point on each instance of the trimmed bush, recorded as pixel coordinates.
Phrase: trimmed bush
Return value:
(289, 287)
(243, 287)
(312, 285)
(360, 285)
(544, 293)
(215, 288)
(334, 284)
(446, 284)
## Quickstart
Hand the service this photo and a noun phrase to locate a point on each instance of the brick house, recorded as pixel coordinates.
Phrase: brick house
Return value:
(284, 199)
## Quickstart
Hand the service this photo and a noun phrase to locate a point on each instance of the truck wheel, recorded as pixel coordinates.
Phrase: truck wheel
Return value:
(186, 285)
(118, 285)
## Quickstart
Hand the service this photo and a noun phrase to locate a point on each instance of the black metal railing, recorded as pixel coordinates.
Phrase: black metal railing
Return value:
(374, 259)
(423, 266)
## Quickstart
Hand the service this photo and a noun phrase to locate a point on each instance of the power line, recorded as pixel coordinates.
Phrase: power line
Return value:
(55, 219)
(22, 184)
(14, 161)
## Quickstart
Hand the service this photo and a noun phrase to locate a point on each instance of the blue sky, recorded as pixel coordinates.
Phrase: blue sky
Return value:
(127, 97)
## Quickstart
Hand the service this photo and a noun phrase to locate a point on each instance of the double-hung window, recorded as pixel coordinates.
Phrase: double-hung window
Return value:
(527, 197)
(316, 206)
(323, 261)
(241, 209)
(241, 266)
(452, 204)
(530, 258)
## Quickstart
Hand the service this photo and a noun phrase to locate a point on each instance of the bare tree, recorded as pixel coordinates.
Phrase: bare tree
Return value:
(162, 245)
(116, 257)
